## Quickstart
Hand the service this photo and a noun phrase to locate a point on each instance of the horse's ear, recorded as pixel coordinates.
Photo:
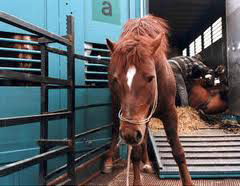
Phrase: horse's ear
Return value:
(157, 42)
(110, 45)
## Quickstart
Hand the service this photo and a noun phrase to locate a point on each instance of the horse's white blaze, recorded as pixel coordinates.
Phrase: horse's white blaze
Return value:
(130, 74)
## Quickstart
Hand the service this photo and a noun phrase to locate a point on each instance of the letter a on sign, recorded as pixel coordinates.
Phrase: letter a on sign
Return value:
(107, 11)
(107, 8)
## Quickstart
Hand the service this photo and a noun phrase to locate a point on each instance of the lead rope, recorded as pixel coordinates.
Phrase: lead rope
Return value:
(128, 164)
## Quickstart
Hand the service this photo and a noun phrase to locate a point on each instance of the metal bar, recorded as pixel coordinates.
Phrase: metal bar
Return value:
(71, 100)
(58, 111)
(44, 109)
(57, 51)
(98, 49)
(77, 160)
(96, 80)
(154, 147)
(60, 169)
(97, 64)
(21, 69)
(106, 62)
(89, 86)
(98, 57)
(92, 131)
(56, 87)
(65, 182)
(84, 133)
(19, 59)
(95, 72)
(31, 77)
(18, 41)
(22, 164)
(20, 50)
(92, 105)
(44, 40)
(6, 18)
(12, 121)
(63, 177)
(76, 86)
(54, 142)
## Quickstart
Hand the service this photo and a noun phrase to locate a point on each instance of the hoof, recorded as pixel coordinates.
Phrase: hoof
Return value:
(107, 169)
(137, 184)
(188, 184)
(147, 168)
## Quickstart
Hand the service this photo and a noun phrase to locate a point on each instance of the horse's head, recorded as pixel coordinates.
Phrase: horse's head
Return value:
(133, 81)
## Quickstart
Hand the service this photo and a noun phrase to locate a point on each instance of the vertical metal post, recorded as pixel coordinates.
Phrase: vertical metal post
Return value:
(188, 50)
(71, 100)
(44, 109)
(202, 39)
(233, 54)
(224, 38)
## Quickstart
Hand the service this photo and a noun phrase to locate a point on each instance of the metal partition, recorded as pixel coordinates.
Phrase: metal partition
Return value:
(48, 148)
(233, 54)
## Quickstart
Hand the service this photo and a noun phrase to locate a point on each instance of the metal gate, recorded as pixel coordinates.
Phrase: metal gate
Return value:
(51, 148)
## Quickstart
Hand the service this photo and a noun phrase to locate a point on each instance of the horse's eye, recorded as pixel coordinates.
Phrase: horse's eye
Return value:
(114, 79)
(150, 78)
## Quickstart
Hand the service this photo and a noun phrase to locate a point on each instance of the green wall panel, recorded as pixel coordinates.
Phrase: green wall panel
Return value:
(106, 11)
(104, 27)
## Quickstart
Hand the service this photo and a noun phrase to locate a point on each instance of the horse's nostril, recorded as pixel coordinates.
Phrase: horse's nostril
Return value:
(138, 136)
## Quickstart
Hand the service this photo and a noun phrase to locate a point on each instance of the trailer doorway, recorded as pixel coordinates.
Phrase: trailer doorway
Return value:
(197, 27)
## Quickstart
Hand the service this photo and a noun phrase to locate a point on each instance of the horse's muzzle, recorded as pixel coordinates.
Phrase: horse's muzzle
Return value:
(131, 136)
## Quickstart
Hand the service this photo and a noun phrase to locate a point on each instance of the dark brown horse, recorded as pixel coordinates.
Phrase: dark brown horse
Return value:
(211, 100)
(142, 85)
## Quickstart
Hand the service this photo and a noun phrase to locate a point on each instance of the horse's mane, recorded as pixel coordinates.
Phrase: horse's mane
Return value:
(149, 25)
(135, 40)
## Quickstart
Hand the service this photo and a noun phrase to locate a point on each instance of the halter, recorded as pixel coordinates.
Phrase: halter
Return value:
(143, 121)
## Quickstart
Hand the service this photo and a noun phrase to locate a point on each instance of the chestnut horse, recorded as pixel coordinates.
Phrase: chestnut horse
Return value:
(142, 85)
(211, 101)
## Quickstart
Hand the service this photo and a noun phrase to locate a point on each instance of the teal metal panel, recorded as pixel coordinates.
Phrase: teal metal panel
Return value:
(28, 10)
(91, 118)
(23, 177)
(132, 5)
(77, 10)
(14, 101)
(104, 29)
(19, 142)
(138, 8)
(53, 25)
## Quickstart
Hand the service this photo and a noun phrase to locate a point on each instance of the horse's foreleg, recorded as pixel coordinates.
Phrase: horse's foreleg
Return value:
(108, 163)
(147, 167)
(136, 157)
(170, 126)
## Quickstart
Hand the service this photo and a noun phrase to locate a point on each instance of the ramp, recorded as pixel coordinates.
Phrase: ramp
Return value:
(209, 154)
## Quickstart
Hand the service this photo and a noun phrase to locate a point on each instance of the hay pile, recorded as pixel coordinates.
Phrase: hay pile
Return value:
(188, 121)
